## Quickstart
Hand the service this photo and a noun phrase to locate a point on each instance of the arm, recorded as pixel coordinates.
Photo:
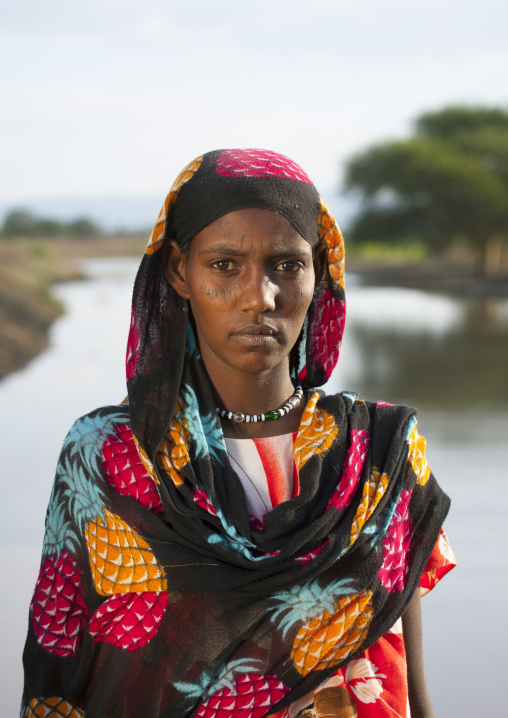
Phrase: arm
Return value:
(419, 699)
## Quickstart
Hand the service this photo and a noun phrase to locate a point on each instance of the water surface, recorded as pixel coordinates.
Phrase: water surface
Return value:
(447, 357)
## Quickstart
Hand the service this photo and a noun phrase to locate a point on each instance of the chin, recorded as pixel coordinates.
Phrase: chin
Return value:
(256, 363)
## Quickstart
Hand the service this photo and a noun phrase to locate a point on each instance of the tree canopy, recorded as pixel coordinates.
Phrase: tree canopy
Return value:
(447, 181)
(21, 223)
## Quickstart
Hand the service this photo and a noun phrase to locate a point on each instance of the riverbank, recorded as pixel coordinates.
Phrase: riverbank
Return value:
(450, 276)
(28, 270)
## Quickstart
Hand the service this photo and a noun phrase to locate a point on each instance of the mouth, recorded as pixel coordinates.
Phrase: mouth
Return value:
(253, 329)
(260, 333)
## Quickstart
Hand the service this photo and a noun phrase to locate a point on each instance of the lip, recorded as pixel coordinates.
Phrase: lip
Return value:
(257, 334)
(265, 329)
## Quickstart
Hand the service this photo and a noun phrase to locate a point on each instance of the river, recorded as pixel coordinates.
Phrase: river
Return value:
(447, 357)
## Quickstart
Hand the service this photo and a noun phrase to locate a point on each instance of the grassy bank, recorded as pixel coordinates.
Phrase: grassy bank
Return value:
(28, 269)
(451, 272)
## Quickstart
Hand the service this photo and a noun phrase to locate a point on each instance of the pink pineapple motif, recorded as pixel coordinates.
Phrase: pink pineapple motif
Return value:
(201, 499)
(382, 403)
(259, 163)
(395, 566)
(132, 349)
(58, 609)
(251, 696)
(353, 468)
(328, 323)
(126, 472)
(239, 691)
(129, 620)
(304, 560)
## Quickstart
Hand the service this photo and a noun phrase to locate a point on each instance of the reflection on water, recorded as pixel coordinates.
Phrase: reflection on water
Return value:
(422, 350)
(447, 357)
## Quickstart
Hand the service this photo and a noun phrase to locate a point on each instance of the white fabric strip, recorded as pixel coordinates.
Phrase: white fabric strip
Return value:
(244, 458)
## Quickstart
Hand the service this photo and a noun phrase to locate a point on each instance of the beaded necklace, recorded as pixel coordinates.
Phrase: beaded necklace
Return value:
(238, 416)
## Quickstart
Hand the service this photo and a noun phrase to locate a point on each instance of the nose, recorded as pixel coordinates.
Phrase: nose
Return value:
(258, 293)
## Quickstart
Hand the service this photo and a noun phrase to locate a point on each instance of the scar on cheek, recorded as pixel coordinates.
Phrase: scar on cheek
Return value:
(214, 294)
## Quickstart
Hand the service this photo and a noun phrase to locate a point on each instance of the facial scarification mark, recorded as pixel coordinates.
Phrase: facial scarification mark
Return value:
(213, 293)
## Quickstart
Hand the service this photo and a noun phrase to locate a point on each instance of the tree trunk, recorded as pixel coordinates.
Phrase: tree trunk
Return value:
(489, 256)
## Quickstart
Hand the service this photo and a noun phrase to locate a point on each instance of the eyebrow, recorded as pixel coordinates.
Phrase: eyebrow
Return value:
(235, 252)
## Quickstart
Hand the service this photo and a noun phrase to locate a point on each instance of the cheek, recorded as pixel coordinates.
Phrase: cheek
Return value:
(216, 296)
(302, 298)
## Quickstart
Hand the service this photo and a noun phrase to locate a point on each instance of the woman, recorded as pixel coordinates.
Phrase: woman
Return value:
(229, 541)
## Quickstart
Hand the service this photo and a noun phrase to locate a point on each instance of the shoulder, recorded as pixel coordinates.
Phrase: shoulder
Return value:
(375, 412)
(94, 428)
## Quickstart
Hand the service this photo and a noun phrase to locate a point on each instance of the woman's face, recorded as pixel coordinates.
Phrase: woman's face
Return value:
(250, 279)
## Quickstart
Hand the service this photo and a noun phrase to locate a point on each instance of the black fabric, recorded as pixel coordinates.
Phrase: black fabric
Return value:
(211, 195)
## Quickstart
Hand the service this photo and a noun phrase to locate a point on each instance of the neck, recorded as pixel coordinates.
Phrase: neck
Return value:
(254, 393)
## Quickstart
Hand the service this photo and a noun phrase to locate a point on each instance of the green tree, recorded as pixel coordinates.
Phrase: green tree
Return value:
(448, 181)
(83, 228)
(19, 223)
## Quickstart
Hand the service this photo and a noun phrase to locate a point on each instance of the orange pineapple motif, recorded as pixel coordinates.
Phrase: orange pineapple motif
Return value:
(373, 492)
(146, 461)
(121, 561)
(416, 458)
(331, 234)
(53, 707)
(316, 434)
(158, 231)
(334, 622)
(173, 453)
(329, 638)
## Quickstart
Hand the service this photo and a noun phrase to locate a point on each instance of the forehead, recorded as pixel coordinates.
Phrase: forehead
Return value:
(251, 228)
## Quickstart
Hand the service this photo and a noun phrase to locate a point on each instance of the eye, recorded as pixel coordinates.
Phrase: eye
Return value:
(223, 265)
(288, 266)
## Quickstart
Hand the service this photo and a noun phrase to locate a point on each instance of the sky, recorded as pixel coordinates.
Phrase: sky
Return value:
(108, 99)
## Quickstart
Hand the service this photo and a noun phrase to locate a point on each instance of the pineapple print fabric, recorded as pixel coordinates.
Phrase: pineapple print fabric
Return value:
(157, 595)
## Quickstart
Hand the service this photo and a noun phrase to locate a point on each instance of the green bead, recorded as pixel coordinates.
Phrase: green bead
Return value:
(270, 415)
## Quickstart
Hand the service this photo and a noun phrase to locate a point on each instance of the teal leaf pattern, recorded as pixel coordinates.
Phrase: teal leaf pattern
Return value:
(206, 431)
(303, 602)
(85, 498)
(59, 535)
(84, 439)
(411, 425)
(209, 684)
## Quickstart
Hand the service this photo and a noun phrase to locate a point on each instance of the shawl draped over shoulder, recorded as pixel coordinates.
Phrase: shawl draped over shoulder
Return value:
(158, 595)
